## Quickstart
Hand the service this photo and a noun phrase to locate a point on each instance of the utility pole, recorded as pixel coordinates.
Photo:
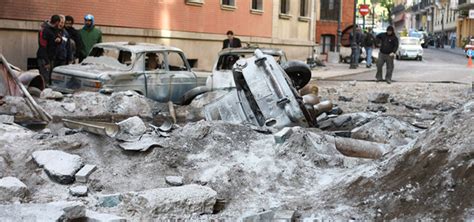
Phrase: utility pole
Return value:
(363, 20)
(339, 31)
(353, 40)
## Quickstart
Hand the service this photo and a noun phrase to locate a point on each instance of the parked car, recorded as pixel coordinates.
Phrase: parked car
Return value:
(410, 48)
(222, 76)
(469, 45)
(159, 72)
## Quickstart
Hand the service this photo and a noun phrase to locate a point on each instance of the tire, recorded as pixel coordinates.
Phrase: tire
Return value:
(420, 58)
(299, 73)
(34, 91)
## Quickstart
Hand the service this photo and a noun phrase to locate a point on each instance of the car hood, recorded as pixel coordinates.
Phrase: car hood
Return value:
(410, 47)
(91, 71)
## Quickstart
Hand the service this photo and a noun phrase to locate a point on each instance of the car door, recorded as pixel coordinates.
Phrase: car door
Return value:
(179, 78)
(155, 77)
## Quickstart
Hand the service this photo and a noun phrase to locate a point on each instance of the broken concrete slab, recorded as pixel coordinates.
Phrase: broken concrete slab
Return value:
(131, 129)
(48, 93)
(93, 216)
(187, 199)
(78, 191)
(70, 107)
(143, 143)
(55, 211)
(7, 119)
(386, 130)
(283, 135)
(83, 174)
(376, 109)
(12, 189)
(378, 97)
(109, 200)
(262, 216)
(284, 216)
(174, 180)
(59, 165)
(341, 120)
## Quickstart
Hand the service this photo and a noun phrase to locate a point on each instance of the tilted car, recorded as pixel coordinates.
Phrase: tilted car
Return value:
(409, 48)
(159, 72)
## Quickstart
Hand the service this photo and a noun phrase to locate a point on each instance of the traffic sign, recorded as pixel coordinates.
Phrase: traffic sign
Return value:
(470, 53)
(364, 9)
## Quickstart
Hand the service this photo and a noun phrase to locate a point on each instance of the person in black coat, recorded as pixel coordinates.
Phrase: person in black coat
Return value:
(231, 41)
(388, 42)
(47, 47)
(76, 43)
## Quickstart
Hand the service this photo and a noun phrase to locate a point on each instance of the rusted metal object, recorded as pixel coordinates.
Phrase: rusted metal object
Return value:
(359, 148)
(100, 128)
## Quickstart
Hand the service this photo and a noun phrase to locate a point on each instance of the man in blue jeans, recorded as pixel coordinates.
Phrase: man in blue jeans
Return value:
(369, 42)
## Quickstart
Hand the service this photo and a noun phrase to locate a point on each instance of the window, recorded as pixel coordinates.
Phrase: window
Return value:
(304, 6)
(195, 2)
(154, 61)
(329, 9)
(176, 61)
(257, 5)
(228, 2)
(284, 6)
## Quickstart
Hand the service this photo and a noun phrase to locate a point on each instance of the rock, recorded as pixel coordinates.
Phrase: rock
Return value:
(109, 200)
(468, 107)
(386, 129)
(78, 191)
(335, 111)
(332, 91)
(100, 217)
(174, 180)
(322, 117)
(85, 172)
(66, 131)
(263, 216)
(378, 97)
(424, 115)
(325, 124)
(55, 211)
(182, 200)
(284, 216)
(144, 143)
(7, 119)
(345, 99)
(353, 83)
(48, 93)
(12, 189)
(131, 129)
(70, 107)
(60, 166)
(376, 109)
(128, 103)
(341, 120)
(282, 135)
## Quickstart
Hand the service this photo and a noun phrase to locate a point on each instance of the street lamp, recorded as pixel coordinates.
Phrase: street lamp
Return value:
(353, 40)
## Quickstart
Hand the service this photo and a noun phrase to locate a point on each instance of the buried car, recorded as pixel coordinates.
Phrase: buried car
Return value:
(222, 77)
(159, 72)
(410, 48)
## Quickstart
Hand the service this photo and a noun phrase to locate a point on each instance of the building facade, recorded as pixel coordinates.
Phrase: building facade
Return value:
(465, 25)
(196, 26)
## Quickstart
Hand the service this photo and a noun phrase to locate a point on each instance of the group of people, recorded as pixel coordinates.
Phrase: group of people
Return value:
(388, 44)
(59, 43)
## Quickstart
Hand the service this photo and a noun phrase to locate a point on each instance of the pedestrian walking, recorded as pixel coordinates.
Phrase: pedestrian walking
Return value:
(388, 47)
(369, 43)
(90, 35)
(231, 41)
(453, 40)
(76, 41)
(47, 47)
(355, 46)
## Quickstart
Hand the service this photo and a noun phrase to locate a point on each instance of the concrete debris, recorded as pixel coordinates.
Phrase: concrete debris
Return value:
(109, 200)
(93, 216)
(375, 109)
(48, 93)
(66, 131)
(322, 117)
(360, 148)
(345, 99)
(182, 200)
(131, 129)
(60, 166)
(378, 97)
(55, 211)
(468, 107)
(70, 107)
(78, 191)
(263, 216)
(130, 103)
(336, 111)
(425, 115)
(7, 119)
(143, 143)
(340, 121)
(282, 135)
(83, 174)
(285, 216)
(353, 83)
(386, 130)
(174, 180)
(12, 189)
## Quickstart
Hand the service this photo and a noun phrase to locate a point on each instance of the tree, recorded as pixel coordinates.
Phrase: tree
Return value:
(387, 4)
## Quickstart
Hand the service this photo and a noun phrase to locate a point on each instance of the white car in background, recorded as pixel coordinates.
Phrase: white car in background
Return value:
(410, 48)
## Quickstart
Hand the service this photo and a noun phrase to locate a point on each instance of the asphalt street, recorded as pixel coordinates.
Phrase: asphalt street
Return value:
(438, 65)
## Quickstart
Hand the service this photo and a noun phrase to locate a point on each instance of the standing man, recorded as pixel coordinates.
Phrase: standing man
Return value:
(231, 41)
(388, 47)
(369, 42)
(355, 44)
(47, 41)
(63, 46)
(90, 35)
(76, 41)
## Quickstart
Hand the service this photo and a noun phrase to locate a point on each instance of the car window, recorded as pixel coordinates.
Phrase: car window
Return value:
(176, 61)
(110, 56)
(154, 61)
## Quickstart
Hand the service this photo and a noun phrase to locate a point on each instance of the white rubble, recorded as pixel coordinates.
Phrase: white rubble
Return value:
(174, 180)
(60, 166)
(78, 191)
(93, 216)
(183, 200)
(55, 211)
(83, 174)
(48, 93)
(386, 130)
(7, 119)
(12, 189)
(131, 129)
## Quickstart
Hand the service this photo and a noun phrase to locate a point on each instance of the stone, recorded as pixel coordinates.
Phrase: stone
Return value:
(131, 129)
(425, 115)
(174, 180)
(83, 174)
(66, 131)
(78, 191)
(109, 200)
(386, 130)
(325, 124)
(12, 189)
(60, 166)
(55, 211)
(376, 109)
(93, 216)
(262, 216)
(353, 83)
(345, 99)
(336, 111)
(284, 216)
(182, 200)
(48, 93)
(378, 97)
(342, 120)
(7, 119)
(322, 117)
(70, 107)
(282, 135)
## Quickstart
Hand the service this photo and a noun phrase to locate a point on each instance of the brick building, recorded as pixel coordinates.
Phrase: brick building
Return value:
(196, 26)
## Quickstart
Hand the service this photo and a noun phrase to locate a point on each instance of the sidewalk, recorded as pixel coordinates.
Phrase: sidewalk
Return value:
(447, 48)
(339, 69)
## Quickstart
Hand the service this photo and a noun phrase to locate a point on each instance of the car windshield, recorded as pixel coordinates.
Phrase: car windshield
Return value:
(109, 56)
(409, 41)
(416, 34)
(226, 61)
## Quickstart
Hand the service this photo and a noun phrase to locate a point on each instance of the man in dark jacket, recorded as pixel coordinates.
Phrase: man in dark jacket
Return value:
(64, 52)
(47, 47)
(369, 42)
(388, 47)
(76, 43)
(355, 46)
(231, 41)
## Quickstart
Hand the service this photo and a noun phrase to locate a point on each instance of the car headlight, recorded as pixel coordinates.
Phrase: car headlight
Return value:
(402, 51)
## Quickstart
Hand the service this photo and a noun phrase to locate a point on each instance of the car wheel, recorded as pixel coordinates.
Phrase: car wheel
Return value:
(299, 73)
(420, 58)
(397, 57)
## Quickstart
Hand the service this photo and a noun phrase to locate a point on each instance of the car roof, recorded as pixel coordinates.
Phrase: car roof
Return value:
(137, 47)
(410, 38)
(268, 51)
